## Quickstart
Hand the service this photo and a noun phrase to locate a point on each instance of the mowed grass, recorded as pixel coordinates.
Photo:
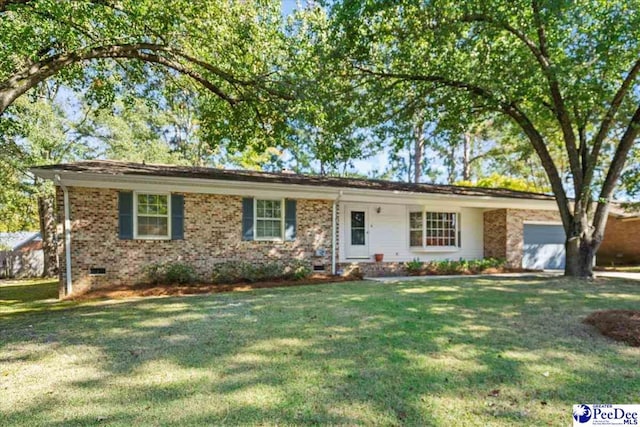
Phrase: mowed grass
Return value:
(434, 352)
(623, 269)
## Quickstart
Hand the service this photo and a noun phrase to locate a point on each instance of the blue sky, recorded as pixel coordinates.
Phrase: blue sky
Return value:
(288, 6)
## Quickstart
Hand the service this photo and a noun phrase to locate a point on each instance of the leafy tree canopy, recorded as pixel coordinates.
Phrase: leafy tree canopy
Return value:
(564, 74)
(501, 181)
(230, 50)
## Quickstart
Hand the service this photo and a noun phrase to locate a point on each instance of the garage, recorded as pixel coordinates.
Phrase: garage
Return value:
(543, 247)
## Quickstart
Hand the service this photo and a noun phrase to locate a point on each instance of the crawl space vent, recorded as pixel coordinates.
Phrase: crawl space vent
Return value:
(97, 271)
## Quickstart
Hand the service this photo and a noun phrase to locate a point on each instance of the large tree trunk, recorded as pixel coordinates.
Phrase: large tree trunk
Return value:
(451, 165)
(48, 232)
(466, 157)
(418, 149)
(584, 235)
(581, 255)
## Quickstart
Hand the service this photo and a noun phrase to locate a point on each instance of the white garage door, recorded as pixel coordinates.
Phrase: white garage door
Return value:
(543, 247)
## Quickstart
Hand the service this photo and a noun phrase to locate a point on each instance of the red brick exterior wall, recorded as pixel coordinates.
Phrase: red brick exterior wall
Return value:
(495, 234)
(621, 244)
(212, 234)
(504, 229)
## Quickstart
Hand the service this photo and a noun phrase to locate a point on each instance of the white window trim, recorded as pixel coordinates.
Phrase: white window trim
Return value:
(415, 229)
(424, 247)
(255, 220)
(136, 236)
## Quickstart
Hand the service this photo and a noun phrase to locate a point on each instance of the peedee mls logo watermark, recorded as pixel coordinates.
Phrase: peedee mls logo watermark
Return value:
(606, 415)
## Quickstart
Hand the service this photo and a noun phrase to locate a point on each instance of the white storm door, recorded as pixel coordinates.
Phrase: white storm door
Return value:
(357, 237)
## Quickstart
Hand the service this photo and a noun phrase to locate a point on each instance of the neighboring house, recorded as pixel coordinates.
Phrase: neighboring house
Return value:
(21, 255)
(121, 217)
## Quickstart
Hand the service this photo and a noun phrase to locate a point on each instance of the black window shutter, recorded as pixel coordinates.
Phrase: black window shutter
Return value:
(247, 218)
(290, 219)
(125, 220)
(177, 217)
(459, 230)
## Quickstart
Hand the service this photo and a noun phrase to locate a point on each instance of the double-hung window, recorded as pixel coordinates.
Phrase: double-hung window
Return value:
(433, 229)
(269, 219)
(152, 216)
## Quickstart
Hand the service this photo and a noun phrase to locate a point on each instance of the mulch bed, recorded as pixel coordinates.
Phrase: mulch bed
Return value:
(146, 290)
(620, 325)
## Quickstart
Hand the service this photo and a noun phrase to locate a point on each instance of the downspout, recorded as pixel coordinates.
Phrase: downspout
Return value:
(67, 236)
(334, 227)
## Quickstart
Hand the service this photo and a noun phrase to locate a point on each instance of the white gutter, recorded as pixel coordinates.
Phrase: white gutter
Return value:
(67, 236)
(334, 226)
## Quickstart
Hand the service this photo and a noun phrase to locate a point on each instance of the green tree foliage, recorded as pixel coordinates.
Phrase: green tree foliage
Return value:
(496, 180)
(54, 130)
(325, 126)
(158, 80)
(564, 74)
(229, 50)
(631, 177)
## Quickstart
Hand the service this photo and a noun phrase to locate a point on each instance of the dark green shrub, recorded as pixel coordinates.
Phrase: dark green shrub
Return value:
(446, 267)
(228, 272)
(171, 273)
(247, 272)
(155, 273)
(302, 273)
(449, 267)
(414, 267)
(180, 273)
(235, 272)
(297, 270)
(301, 270)
(269, 271)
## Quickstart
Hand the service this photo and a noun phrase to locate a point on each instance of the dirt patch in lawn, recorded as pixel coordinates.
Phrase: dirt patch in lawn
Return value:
(621, 325)
(146, 290)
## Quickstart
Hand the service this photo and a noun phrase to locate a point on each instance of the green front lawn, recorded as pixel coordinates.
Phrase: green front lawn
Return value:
(435, 352)
(27, 295)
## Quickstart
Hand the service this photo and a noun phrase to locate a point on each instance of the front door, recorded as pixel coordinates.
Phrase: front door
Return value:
(357, 237)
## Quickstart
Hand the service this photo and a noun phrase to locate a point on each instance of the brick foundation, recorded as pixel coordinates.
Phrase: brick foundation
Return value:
(373, 269)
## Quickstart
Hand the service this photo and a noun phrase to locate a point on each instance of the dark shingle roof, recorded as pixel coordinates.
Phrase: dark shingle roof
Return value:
(117, 168)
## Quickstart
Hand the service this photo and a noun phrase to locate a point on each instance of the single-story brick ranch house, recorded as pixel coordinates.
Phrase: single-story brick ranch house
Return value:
(120, 217)
(21, 254)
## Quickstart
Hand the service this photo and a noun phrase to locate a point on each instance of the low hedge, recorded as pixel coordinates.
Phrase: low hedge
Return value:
(237, 272)
(171, 273)
(228, 272)
(449, 267)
